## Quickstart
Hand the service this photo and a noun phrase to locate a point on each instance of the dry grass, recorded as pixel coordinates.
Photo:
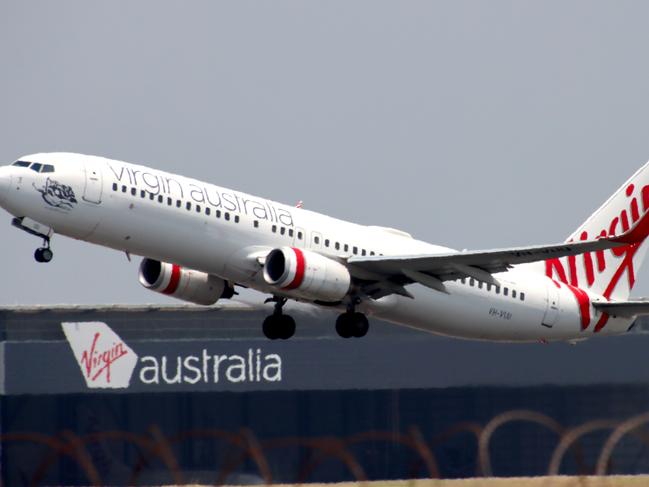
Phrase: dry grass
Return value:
(559, 481)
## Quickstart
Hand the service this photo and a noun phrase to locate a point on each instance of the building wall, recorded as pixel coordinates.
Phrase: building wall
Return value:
(396, 404)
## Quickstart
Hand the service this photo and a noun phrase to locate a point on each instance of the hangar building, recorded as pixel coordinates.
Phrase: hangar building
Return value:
(156, 394)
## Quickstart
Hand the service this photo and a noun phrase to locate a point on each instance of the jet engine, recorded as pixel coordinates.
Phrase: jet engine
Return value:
(306, 274)
(184, 284)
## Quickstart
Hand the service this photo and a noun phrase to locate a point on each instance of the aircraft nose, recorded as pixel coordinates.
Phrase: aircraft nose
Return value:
(5, 181)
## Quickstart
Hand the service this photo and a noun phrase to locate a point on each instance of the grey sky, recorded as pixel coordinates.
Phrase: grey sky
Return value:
(469, 124)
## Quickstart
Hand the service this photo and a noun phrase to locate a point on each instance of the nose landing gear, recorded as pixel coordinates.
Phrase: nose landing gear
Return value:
(278, 325)
(44, 254)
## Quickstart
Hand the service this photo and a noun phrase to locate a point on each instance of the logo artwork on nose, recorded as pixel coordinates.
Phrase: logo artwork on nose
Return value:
(57, 195)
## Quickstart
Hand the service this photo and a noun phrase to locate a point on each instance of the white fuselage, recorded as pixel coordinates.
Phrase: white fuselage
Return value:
(215, 230)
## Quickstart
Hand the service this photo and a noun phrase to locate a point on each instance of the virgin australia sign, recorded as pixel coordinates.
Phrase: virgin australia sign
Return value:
(106, 362)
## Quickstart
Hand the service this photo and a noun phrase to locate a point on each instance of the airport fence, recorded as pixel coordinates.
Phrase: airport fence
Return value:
(244, 447)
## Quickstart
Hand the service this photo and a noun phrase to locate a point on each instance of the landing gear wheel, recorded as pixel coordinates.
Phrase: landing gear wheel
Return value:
(279, 326)
(287, 327)
(47, 254)
(344, 325)
(361, 325)
(269, 328)
(352, 324)
(43, 254)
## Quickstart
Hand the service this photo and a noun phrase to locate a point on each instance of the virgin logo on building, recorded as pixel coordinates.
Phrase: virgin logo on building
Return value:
(106, 362)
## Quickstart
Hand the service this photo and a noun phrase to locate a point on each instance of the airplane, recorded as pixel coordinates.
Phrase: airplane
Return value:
(198, 241)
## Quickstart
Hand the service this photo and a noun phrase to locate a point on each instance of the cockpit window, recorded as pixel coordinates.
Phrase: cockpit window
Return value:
(36, 166)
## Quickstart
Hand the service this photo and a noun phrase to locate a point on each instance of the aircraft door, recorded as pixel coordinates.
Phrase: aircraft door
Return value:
(552, 305)
(94, 183)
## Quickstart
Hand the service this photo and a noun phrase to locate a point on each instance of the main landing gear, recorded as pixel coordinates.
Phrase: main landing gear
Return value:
(278, 325)
(281, 326)
(352, 324)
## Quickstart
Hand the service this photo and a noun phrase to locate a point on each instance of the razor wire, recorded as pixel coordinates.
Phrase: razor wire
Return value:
(245, 446)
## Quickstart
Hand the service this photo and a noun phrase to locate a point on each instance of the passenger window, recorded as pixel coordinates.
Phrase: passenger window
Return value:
(355, 250)
(208, 211)
(488, 287)
(479, 284)
(151, 196)
(290, 232)
(255, 224)
(236, 218)
(178, 203)
(198, 208)
(21, 164)
(337, 246)
(346, 248)
(463, 280)
(471, 282)
(299, 235)
(372, 252)
(363, 252)
(522, 296)
(497, 289)
(282, 230)
(326, 242)
(170, 202)
(505, 291)
(114, 186)
(160, 198)
(513, 293)
(188, 205)
(142, 194)
(218, 213)
(226, 215)
(133, 191)
(36, 167)
(273, 229)
(316, 239)
(124, 188)
(47, 168)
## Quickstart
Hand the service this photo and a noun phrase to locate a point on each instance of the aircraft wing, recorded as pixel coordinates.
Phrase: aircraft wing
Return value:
(624, 309)
(391, 273)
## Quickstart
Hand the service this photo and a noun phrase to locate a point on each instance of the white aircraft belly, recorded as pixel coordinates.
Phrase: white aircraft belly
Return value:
(472, 313)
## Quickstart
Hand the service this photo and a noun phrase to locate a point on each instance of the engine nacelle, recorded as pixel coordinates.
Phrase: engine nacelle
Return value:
(185, 284)
(306, 274)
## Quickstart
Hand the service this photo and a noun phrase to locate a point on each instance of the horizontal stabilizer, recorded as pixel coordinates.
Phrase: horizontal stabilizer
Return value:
(624, 309)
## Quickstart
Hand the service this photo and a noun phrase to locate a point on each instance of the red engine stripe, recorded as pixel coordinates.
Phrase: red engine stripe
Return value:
(175, 279)
(299, 271)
